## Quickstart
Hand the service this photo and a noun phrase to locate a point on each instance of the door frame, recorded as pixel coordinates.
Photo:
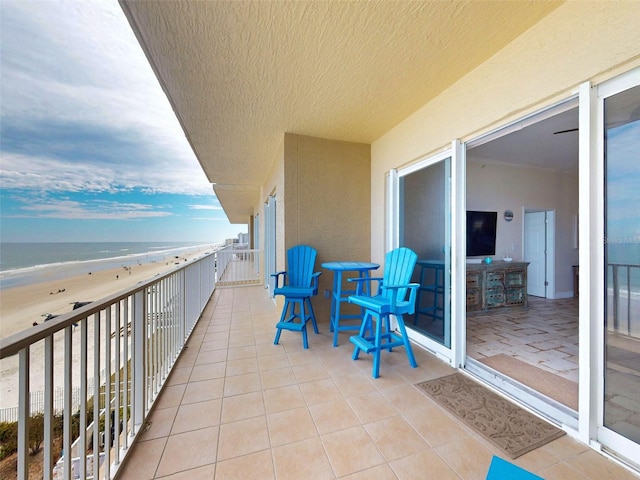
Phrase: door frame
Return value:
(550, 253)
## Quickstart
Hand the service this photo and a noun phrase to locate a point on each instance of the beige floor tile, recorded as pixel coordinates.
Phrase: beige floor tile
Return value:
(395, 438)
(436, 427)
(354, 384)
(283, 398)
(211, 356)
(423, 464)
(211, 344)
(171, 396)
(242, 366)
(257, 465)
(407, 399)
(537, 460)
(273, 362)
(207, 371)
(371, 407)
(300, 356)
(193, 416)
(596, 466)
(277, 378)
(302, 460)
(333, 416)
(351, 450)
(189, 450)
(243, 437)
(179, 375)
(159, 423)
(561, 471)
(239, 384)
(309, 372)
(320, 391)
(242, 406)
(473, 464)
(565, 447)
(203, 391)
(200, 473)
(143, 460)
(380, 472)
(290, 426)
(238, 353)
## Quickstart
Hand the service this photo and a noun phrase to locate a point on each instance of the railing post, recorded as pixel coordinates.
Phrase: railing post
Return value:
(24, 414)
(139, 327)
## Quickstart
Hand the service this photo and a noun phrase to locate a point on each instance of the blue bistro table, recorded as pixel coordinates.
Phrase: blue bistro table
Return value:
(340, 294)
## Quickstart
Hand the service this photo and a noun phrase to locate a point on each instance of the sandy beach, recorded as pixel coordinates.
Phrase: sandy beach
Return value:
(21, 306)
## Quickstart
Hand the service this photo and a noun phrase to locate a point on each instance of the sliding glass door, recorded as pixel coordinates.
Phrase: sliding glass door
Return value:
(424, 221)
(620, 139)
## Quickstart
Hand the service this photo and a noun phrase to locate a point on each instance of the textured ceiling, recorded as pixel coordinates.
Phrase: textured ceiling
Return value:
(241, 73)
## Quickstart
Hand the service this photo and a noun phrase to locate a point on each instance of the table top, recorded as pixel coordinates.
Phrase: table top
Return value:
(350, 266)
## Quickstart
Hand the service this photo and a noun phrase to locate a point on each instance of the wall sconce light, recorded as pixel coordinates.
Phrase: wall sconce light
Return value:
(508, 215)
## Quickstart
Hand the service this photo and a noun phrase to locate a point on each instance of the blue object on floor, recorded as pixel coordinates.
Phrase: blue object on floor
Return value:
(300, 283)
(502, 470)
(396, 296)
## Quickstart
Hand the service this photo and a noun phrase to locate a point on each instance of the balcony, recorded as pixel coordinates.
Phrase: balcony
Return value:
(231, 404)
(237, 406)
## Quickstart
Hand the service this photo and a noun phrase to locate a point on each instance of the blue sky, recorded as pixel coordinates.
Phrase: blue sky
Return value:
(90, 147)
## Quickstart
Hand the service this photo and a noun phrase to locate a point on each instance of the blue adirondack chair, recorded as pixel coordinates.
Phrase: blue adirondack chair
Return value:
(395, 296)
(299, 284)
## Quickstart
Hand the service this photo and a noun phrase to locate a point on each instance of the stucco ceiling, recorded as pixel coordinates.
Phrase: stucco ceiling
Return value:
(241, 73)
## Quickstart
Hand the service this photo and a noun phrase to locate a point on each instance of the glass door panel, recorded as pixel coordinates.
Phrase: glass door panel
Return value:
(622, 262)
(425, 227)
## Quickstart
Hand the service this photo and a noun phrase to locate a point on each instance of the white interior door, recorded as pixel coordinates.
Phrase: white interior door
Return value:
(535, 252)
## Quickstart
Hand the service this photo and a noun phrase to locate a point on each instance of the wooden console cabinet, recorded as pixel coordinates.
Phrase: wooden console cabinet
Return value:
(498, 284)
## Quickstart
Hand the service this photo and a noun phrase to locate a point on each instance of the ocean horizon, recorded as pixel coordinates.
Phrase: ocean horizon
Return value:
(28, 263)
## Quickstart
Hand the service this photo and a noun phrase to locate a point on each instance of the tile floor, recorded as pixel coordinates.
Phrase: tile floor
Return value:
(237, 406)
(544, 335)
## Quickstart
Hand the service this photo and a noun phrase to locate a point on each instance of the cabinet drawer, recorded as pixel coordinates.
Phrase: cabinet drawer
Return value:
(495, 280)
(495, 298)
(514, 279)
(515, 296)
(474, 299)
(474, 280)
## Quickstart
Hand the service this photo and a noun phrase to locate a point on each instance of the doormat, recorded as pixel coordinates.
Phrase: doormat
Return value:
(560, 389)
(506, 425)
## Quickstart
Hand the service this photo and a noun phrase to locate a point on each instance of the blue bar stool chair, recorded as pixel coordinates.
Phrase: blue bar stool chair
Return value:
(299, 284)
(396, 296)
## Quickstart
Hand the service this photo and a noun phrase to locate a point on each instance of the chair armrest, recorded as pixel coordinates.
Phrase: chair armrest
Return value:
(412, 287)
(361, 287)
(277, 277)
(314, 282)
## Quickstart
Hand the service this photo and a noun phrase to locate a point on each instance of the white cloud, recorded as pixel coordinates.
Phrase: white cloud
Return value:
(78, 66)
(205, 207)
(99, 210)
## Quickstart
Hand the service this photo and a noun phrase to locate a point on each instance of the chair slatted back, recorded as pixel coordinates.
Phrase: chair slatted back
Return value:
(301, 261)
(398, 269)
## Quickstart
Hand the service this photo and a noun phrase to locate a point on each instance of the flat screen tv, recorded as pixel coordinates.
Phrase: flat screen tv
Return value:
(481, 233)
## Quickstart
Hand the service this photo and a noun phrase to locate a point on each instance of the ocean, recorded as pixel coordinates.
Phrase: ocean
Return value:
(27, 263)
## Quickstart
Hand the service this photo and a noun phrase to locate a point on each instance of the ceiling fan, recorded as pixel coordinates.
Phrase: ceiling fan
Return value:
(566, 131)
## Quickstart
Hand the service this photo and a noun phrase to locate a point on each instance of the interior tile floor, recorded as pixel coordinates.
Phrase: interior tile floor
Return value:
(237, 406)
(544, 335)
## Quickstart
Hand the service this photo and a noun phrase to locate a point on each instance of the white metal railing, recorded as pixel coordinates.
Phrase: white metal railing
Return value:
(237, 265)
(128, 343)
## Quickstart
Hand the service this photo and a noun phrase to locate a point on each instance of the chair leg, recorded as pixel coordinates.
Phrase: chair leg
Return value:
(283, 317)
(376, 352)
(363, 328)
(407, 343)
(312, 315)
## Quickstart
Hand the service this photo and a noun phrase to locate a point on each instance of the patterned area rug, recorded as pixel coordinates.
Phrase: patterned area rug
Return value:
(509, 427)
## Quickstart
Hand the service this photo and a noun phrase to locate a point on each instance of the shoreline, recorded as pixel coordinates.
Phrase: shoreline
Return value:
(21, 306)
